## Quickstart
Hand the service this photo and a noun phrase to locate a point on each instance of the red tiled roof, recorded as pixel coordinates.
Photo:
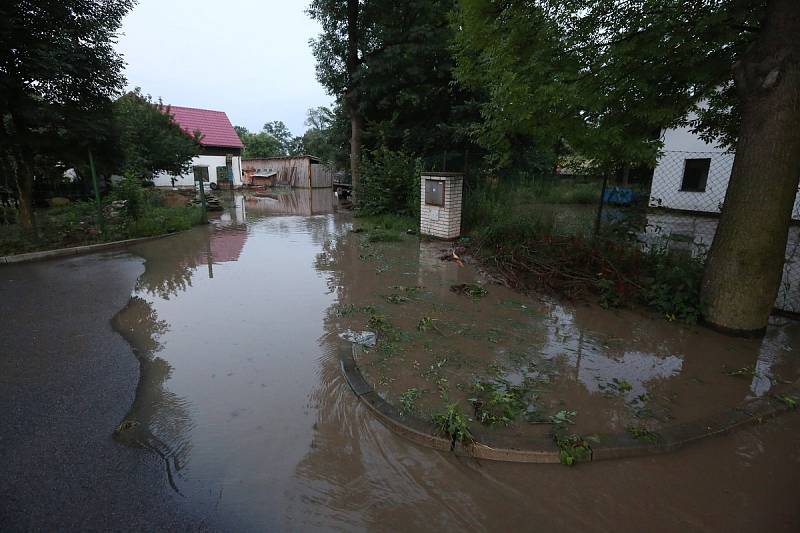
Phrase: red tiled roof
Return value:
(217, 130)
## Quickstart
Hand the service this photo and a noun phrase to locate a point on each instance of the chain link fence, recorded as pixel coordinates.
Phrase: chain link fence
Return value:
(680, 212)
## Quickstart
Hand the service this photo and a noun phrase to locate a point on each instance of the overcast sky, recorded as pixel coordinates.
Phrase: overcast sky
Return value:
(248, 58)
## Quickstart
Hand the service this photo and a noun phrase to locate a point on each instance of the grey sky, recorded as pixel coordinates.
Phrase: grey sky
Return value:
(249, 58)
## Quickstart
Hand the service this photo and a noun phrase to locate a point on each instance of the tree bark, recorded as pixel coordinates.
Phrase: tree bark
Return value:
(25, 200)
(745, 263)
(356, 128)
(352, 97)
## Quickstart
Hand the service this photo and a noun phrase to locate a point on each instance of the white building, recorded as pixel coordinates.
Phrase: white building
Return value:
(220, 158)
(692, 175)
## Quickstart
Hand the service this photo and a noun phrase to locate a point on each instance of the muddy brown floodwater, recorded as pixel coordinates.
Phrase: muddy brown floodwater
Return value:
(236, 326)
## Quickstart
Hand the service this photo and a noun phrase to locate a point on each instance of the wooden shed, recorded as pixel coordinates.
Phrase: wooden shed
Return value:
(301, 171)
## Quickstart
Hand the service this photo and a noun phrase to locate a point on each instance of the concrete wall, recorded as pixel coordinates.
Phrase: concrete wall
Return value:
(442, 222)
(212, 162)
(681, 144)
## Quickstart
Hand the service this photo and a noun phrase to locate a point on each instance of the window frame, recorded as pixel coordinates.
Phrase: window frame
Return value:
(702, 182)
(195, 168)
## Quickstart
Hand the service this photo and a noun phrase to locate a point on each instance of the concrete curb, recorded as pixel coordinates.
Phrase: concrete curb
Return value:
(543, 449)
(77, 250)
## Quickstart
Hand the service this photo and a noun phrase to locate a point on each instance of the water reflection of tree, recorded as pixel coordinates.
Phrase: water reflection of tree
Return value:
(171, 262)
(158, 420)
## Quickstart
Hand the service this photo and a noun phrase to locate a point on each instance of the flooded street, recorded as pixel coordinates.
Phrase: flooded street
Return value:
(237, 329)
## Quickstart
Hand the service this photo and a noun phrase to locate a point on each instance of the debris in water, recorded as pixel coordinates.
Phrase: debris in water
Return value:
(451, 255)
(470, 289)
(364, 338)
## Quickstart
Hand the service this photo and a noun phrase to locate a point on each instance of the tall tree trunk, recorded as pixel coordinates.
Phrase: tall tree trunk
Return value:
(352, 96)
(356, 127)
(746, 259)
(14, 164)
(25, 200)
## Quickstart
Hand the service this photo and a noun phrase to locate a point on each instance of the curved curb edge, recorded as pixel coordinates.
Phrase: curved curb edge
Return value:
(543, 449)
(77, 250)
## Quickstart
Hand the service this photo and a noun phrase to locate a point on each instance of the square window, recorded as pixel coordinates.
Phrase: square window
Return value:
(200, 173)
(695, 175)
(434, 192)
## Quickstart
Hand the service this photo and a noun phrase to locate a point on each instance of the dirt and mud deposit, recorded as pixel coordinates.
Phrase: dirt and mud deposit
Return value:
(237, 329)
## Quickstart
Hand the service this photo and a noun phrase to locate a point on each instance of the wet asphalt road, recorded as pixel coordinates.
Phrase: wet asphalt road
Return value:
(66, 381)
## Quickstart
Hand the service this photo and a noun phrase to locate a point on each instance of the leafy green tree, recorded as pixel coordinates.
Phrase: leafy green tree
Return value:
(281, 133)
(599, 76)
(149, 140)
(58, 73)
(327, 135)
(397, 85)
(261, 144)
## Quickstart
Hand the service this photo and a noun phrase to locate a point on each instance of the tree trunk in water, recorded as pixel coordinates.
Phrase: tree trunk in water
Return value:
(357, 126)
(745, 263)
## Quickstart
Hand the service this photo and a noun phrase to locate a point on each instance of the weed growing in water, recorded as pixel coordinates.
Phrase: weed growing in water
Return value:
(572, 448)
(643, 434)
(396, 299)
(473, 290)
(745, 372)
(383, 235)
(498, 403)
(616, 387)
(342, 310)
(408, 401)
(454, 424)
(425, 323)
(789, 401)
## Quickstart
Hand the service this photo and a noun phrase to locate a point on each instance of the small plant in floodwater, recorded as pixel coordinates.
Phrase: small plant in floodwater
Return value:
(396, 299)
(425, 323)
(572, 448)
(443, 387)
(497, 403)
(410, 291)
(408, 401)
(454, 424)
(745, 371)
(615, 387)
(388, 348)
(608, 293)
(384, 235)
(349, 309)
(789, 401)
(125, 425)
(643, 434)
(473, 290)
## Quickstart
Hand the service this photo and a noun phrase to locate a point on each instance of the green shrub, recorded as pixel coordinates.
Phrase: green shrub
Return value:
(159, 220)
(454, 424)
(389, 184)
(130, 191)
(673, 286)
(498, 403)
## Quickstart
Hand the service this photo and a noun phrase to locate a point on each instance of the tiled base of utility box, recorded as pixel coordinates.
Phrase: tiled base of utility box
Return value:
(440, 209)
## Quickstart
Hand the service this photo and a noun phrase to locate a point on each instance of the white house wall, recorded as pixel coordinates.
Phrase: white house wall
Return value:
(212, 162)
(681, 144)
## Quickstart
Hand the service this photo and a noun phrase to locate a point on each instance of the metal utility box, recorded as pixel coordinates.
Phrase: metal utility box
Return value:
(440, 204)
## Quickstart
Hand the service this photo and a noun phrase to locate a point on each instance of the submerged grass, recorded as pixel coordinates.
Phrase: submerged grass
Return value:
(534, 245)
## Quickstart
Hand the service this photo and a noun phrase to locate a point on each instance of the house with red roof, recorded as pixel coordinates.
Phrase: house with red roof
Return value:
(220, 161)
